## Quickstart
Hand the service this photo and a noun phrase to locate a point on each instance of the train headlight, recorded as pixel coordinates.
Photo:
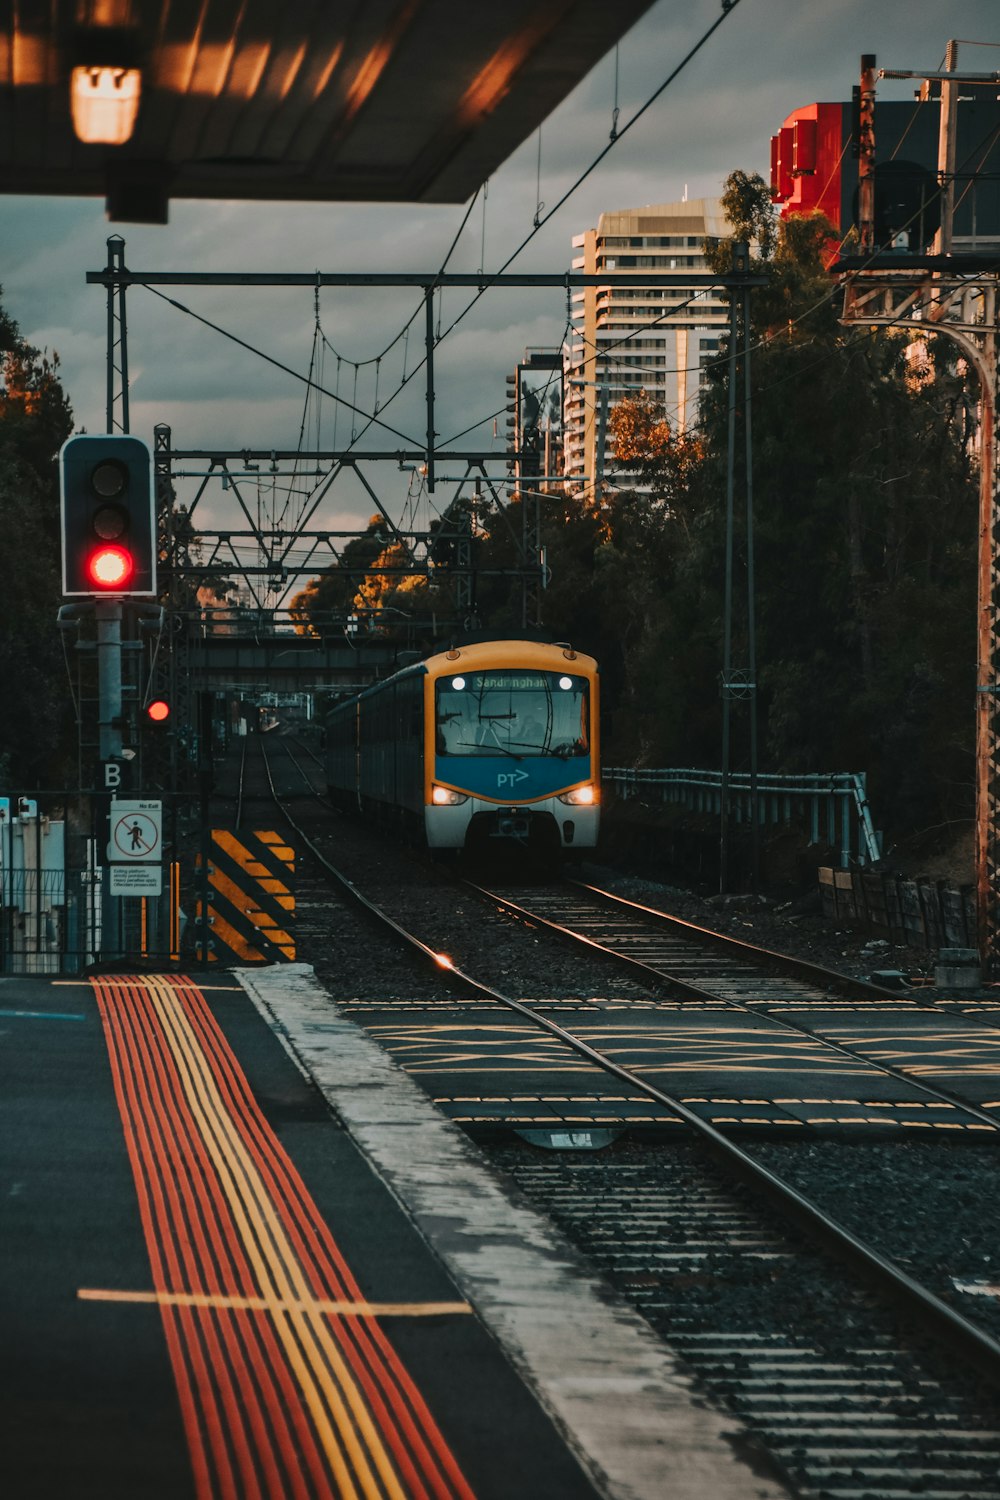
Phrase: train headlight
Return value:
(580, 796)
(443, 796)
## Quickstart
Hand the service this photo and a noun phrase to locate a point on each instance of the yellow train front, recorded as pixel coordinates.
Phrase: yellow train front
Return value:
(490, 742)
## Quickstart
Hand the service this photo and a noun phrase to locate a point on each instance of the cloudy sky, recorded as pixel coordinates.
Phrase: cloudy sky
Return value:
(767, 58)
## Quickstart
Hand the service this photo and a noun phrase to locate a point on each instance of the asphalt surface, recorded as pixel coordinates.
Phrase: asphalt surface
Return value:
(107, 1386)
(89, 1401)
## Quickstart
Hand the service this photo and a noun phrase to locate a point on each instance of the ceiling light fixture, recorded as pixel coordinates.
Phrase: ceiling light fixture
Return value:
(104, 103)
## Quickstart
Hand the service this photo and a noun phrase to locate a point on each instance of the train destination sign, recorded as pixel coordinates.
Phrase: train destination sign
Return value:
(508, 681)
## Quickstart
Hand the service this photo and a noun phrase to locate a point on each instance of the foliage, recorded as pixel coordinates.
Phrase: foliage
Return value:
(865, 545)
(329, 599)
(864, 530)
(866, 581)
(35, 420)
(864, 536)
(746, 202)
(647, 446)
(368, 588)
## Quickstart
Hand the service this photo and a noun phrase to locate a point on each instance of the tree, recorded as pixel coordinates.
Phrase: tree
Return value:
(749, 209)
(865, 529)
(865, 542)
(35, 420)
(647, 446)
(329, 599)
(370, 580)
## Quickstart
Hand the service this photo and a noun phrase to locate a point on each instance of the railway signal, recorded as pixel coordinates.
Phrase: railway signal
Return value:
(108, 523)
(156, 727)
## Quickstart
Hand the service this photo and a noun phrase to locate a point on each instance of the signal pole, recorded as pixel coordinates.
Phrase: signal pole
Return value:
(108, 543)
(108, 613)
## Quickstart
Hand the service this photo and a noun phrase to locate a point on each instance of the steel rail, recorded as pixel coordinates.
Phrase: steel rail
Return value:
(929, 1312)
(696, 991)
(787, 963)
(238, 814)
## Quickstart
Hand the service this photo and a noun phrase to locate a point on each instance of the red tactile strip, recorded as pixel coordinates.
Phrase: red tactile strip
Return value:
(287, 1384)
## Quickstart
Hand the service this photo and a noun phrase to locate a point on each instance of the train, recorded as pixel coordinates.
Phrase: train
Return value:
(484, 744)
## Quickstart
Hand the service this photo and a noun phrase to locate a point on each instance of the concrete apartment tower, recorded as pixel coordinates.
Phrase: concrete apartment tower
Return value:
(632, 339)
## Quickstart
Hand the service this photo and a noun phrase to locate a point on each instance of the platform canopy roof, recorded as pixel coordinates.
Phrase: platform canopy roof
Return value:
(354, 100)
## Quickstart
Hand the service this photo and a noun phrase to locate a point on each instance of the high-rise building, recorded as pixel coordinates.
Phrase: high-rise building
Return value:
(626, 339)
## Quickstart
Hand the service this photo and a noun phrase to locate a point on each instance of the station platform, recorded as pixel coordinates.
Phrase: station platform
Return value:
(243, 1255)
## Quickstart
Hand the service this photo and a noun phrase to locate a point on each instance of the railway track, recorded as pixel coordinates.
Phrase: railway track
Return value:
(837, 1399)
(801, 1345)
(713, 969)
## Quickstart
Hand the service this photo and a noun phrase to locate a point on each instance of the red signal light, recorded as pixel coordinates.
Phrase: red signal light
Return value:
(107, 516)
(110, 567)
(158, 711)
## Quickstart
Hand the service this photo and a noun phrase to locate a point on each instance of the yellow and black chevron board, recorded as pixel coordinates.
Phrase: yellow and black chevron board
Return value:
(251, 902)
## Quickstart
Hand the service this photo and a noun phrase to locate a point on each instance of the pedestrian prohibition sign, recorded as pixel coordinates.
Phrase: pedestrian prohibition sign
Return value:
(136, 832)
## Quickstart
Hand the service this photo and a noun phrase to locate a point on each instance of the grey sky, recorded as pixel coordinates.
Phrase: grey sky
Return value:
(768, 57)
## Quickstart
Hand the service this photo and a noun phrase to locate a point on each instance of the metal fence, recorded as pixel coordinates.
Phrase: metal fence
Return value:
(921, 912)
(58, 912)
(831, 807)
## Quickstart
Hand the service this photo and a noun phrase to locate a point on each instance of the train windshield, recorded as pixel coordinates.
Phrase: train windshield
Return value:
(518, 713)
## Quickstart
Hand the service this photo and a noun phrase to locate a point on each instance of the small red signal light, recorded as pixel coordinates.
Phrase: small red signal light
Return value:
(158, 711)
(110, 567)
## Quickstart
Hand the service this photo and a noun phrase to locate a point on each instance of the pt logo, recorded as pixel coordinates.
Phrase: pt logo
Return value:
(510, 778)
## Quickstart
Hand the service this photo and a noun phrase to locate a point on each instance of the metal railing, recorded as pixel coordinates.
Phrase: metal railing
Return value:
(59, 912)
(831, 805)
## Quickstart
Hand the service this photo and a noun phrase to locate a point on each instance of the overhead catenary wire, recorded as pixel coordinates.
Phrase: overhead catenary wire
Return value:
(727, 9)
(278, 364)
(984, 146)
(369, 419)
(404, 332)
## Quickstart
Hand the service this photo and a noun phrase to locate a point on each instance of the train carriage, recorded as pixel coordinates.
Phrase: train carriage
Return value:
(493, 741)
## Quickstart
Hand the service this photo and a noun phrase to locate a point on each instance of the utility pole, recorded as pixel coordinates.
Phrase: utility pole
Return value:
(947, 135)
(602, 437)
(738, 682)
(751, 605)
(116, 401)
(866, 154)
